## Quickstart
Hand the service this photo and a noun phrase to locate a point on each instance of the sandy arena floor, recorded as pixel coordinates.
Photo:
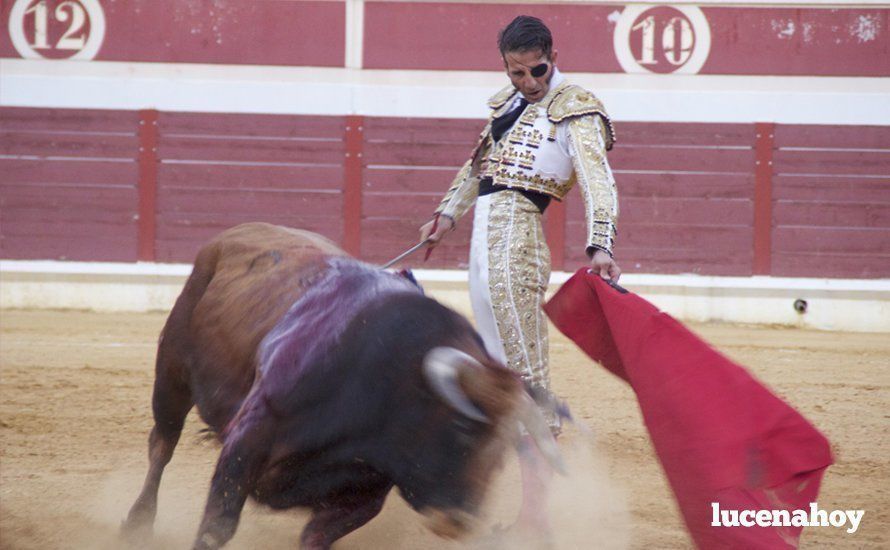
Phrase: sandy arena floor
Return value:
(75, 392)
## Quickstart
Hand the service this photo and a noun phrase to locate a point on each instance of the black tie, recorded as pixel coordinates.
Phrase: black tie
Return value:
(502, 124)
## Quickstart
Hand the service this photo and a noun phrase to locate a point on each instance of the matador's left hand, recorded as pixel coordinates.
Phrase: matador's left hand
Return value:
(605, 266)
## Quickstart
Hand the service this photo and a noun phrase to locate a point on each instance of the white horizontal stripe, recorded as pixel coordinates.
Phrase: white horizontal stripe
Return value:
(445, 94)
(447, 275)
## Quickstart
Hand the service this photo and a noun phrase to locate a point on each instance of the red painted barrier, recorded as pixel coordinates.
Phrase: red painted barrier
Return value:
(763, 197)
(148, 183)
(68, 184)
(692, 196)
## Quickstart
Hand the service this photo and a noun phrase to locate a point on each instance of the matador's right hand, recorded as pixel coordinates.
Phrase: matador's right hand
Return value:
(445, 225)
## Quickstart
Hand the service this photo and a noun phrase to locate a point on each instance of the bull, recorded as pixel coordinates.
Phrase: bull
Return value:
(328, 383)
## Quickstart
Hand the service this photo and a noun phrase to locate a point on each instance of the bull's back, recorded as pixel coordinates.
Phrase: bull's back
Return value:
(243, 282)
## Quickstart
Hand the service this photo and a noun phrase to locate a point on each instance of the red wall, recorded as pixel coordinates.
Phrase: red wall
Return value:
(71, 182)
(767, 40)
(270, 32)
(744, 40)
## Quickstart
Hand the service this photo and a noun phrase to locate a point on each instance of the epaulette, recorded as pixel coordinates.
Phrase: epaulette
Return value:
(574, 101)
(499, 99)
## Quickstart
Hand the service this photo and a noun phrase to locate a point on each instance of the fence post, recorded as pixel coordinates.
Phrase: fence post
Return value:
(763, 197)
(148, 184)
(352, 184)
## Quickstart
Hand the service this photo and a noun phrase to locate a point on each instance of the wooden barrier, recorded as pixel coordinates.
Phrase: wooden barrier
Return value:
(113, 186)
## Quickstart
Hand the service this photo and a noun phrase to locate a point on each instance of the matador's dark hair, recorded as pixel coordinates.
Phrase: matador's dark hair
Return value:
(525, 33)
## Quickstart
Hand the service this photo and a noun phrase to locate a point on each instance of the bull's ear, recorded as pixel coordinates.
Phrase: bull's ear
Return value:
(442, 367)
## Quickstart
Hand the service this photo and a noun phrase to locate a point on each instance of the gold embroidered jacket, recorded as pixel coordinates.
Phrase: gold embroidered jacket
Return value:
(555, 143)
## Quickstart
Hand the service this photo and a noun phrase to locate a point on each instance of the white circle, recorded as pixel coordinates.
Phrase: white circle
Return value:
(700, 26)
(97, 30)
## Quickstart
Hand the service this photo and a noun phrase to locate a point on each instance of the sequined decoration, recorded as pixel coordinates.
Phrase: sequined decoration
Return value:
(595, 181)
(529, 116)
(551, 136)
(518, 275)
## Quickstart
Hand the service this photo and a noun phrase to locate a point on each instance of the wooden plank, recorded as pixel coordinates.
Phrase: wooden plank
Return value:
(98, 248)
(418, 154)
(387, 205)
(675, 211)
(831, 240)
(68, 120)
(833, 136)
(705, 134)
(832, 162)
(181, 236)
(849, 266)
(423, 130)
(69, 144)
(219, 176)
(250, 150)
(69, 228)
(831, 214)
(122, 215)
(328, 128)
(674, 185)
(682, 159)
(14, 197)
(63, 172)
(832, 189)
(700, 261)
(434, 181)
(271, 202)
(181, 226)
(674, 236)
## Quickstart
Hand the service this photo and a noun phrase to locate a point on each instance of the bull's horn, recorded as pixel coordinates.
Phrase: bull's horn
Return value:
(537, 427)
(441, 366)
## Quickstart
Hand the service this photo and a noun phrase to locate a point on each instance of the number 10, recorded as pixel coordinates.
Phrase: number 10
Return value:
(677, 45)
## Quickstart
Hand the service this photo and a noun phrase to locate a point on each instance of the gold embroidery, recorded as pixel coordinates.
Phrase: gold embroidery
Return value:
(525, 159)
(534, 138)
(594, 181)
(574, 101)
(529, 116)
(518, 275)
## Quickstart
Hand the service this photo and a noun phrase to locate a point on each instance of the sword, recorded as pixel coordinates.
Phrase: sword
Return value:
(405, 254)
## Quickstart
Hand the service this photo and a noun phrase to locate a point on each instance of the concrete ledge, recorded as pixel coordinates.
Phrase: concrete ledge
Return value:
(857, 305)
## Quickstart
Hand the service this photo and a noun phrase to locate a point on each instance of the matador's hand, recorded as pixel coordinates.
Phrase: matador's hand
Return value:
(604, 265)
(445, 225)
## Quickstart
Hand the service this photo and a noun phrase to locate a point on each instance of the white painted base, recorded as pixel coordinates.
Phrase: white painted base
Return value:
(832, 304)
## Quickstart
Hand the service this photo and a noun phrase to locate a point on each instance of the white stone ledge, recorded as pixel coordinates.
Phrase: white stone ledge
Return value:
(858, 305)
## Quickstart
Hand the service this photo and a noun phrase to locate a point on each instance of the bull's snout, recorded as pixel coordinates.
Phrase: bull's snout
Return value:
(452, 523)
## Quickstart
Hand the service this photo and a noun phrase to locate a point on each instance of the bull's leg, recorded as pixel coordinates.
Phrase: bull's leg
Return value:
(171, 402)
(242, 460)
(334, 522)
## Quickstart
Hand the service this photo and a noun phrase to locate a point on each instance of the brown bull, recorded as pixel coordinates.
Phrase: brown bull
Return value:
(329, 382)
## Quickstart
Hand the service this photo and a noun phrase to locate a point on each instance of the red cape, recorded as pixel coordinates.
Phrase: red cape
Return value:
(721, 436)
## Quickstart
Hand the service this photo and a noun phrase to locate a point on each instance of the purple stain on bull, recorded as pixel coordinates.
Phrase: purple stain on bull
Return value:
(329, 383)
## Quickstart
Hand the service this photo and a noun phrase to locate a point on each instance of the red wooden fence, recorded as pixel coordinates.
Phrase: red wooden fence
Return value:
(701, 198)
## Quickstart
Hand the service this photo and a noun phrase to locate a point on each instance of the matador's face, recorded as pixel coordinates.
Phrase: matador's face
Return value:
(530, 72)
